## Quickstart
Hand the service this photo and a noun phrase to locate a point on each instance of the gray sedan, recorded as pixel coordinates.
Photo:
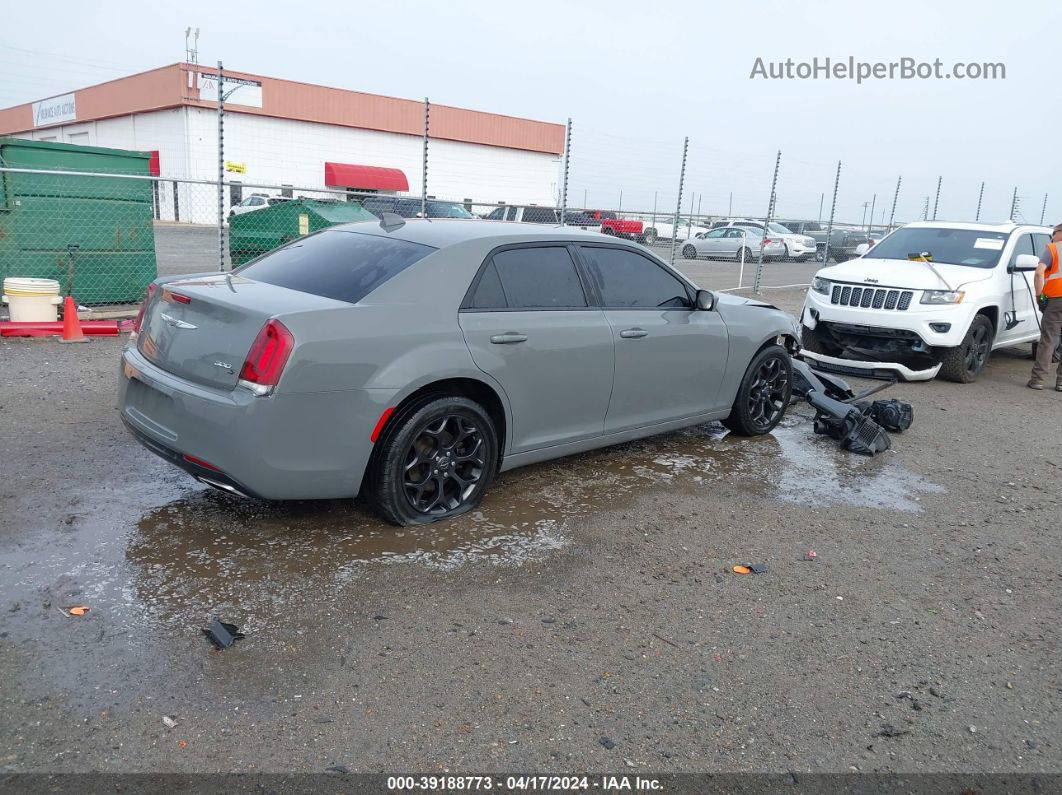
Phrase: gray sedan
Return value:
(732, 242)
(411, 362)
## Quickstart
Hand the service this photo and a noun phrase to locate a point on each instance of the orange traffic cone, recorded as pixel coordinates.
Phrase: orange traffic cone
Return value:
(71, 326)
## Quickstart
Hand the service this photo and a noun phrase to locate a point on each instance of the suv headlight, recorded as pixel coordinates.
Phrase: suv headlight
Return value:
(820, 285)
(942, 297)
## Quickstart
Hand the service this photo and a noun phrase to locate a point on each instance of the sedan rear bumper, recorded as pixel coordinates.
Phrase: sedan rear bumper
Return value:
(288, 446)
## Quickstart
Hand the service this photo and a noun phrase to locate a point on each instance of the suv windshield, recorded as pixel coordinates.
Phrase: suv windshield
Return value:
(976, 248)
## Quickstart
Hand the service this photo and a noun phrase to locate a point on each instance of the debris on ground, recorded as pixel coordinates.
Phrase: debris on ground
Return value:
(888, 730)
(811, 554)
(716, 431)
(222, 635)
(608, 743)
(77, 611)
(169, 722)
(750, 568)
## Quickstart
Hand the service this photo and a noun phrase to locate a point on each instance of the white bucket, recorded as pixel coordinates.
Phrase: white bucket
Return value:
(32, 300)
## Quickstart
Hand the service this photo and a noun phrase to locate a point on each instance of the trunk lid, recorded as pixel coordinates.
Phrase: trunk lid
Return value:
(202, 328)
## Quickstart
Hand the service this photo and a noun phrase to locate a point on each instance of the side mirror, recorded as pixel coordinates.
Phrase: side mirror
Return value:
(862, 249)
(705, 300)
(1024, 263)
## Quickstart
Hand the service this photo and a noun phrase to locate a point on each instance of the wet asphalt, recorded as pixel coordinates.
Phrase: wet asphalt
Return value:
(588, 599)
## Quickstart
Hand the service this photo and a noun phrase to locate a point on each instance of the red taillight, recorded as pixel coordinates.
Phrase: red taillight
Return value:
(143, 309)
(176, 298)
(267, 357)
(199, 462)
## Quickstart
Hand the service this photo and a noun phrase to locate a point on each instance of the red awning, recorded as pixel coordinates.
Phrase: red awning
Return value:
(347, 175)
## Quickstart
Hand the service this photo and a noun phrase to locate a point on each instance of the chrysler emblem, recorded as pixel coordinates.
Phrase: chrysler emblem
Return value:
(175, 322)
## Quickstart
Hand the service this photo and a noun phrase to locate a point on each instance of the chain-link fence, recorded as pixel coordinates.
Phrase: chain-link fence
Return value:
(730, 221)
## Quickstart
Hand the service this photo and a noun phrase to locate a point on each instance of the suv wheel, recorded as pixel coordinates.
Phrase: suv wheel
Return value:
(433, 462)
(964, 363)
(763, 395)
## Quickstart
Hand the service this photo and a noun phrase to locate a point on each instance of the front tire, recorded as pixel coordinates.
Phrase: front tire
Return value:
(689, 252)
(965, 363)
(764, 393)
(433, 462)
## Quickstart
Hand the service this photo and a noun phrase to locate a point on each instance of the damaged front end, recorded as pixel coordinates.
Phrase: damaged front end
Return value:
(842, 414)
(878, 352)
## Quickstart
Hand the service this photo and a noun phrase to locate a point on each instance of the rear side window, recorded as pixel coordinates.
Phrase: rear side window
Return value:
(489, 293)
(543, 277)
(627, 279)
(346, 266)
(540, 215)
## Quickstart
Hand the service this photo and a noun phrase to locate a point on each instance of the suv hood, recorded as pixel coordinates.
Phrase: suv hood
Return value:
(904, 273)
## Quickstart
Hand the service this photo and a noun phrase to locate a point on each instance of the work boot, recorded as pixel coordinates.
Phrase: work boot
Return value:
(1035, 385)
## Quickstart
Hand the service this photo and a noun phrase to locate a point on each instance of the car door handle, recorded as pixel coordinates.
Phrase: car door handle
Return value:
(508, 338)
(634, 333)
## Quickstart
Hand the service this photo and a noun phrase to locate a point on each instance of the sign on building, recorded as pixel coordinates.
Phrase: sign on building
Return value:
(235, 90)
(54, 110)
(235, 168)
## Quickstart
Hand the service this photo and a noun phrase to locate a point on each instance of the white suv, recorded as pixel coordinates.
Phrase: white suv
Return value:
(930, 297)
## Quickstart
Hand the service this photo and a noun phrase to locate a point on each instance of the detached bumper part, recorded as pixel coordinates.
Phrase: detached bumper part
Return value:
(868, 369)
(851, 425)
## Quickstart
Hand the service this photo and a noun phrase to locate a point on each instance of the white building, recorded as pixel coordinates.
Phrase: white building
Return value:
(283, 133)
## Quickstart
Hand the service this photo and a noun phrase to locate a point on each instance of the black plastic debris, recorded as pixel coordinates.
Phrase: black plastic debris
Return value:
(888, 730)
(853, 427)
(892, 415)
(608, 743)
(222, 635)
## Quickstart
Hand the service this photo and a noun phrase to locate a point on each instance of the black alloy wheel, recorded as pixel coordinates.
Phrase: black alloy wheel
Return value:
(444, 463)
(764, 393)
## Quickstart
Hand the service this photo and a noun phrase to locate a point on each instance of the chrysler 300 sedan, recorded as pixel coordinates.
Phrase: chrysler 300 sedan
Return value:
(411, 362)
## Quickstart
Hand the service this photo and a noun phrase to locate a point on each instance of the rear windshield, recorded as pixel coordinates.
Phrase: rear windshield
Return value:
(346, 266)
(950, 246)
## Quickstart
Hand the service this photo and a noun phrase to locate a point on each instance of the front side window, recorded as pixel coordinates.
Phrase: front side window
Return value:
(542, 277)
(627, 279)
(1024, 245)
(717, 233)
(338, 264)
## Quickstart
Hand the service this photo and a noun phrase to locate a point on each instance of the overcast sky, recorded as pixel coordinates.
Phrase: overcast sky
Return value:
(637, 77)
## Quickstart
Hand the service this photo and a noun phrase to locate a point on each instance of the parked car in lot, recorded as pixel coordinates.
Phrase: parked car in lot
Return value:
(843, 240)
(606, 222)
(531, 214)
(663, 228)
(732, 242)
(931, 296)
(412, 208)
(256, 201)
(411, 364)
(797, 246)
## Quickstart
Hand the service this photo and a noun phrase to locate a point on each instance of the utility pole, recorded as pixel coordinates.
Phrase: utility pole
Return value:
(767, 222)
(620, 208)
(822, 197)
(221, 167)
(925, 210)
(564, 183)
(730, 207)
(980, 196)
(873, 205)
(895, 196)
(424, 165)
(678, 202)
(863, 223)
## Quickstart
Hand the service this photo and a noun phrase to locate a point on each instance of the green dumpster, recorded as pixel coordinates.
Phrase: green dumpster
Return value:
(253, 234)
(100, 227)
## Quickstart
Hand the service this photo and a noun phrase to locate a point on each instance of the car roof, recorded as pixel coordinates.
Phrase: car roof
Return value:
(1008, 226)
(442, 232)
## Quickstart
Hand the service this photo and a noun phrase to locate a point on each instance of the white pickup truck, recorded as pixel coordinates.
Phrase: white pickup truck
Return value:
(930, 297)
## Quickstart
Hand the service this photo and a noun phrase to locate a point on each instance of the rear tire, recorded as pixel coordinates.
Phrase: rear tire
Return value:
(689, 252)
(434, 461)
(650, 237)
(748, 255)
(764, 393)
(965, 363)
